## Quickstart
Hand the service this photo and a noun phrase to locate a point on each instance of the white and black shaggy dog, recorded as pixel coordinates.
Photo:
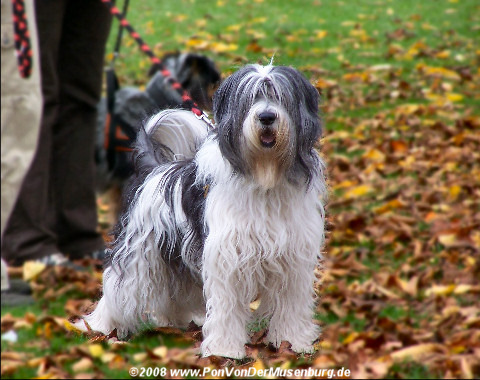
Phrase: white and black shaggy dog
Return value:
(215, 220)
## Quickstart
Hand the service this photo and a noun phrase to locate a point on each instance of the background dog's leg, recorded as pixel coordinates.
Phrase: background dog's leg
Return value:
(291, 302)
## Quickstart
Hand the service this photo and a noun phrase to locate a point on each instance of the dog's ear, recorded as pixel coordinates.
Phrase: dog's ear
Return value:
(221, 99)
(311, 122)
(310, 125)
(167, 60)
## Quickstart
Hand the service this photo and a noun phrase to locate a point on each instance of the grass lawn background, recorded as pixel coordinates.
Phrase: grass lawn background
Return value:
(400, 102)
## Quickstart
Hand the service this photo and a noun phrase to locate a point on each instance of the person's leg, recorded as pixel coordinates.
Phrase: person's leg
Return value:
(21, 114)
(28, 234)
(81, 57)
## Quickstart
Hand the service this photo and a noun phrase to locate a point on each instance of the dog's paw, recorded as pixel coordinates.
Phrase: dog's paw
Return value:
(303, 349)
(233, 353)
(199, 319)
(81, 325)
(296, 346)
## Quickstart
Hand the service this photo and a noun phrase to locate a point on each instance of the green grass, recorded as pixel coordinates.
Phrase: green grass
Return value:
(295, 31)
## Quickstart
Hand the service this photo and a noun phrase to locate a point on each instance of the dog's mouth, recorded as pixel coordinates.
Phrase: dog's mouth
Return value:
(268, 138)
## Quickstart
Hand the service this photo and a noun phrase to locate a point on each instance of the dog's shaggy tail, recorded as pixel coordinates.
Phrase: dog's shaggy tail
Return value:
(171, 135)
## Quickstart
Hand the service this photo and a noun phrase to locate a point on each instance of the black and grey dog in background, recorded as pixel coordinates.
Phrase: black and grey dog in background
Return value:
(119, 121)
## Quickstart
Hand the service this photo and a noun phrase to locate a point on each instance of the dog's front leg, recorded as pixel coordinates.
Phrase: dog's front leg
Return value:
(291, 301)
(228, 311)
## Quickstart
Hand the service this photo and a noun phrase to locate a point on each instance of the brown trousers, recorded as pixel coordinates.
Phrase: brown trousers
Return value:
(56, 208)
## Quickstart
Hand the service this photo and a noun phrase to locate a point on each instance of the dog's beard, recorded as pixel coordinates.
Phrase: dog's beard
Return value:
(269, 150)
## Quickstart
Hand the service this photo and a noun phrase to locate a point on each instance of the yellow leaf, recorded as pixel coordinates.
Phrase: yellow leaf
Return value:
(374, 155)
(220, 47)
(357, 77)
(358, 191)
(443, 54)
(258, 20)
(254, 305)
(408, 109)
(324, 345)
(108, 357)
(325, 83)
(234, 28)
(464, 288)
(440, 290)
(389, 206)
(475, 235)
(197, 43)
(161, 351)
(258, 365)
(47, 375)
(427, 26)
(447, 240)
(96, 350)
(201, 23)
(35, 362)
(48, 330)
(82, 365)
(286, 365)
(439, 72)
(454, 191)
(350, 338)
(454, 97)
(140, 357)
(32, 269)
(321, 34)
(71, 327)
(417, 352)
(408, 161)
(338, 135)
(344, 184)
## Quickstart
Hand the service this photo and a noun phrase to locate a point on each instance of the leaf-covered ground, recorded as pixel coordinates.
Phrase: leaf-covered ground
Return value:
(399, 287)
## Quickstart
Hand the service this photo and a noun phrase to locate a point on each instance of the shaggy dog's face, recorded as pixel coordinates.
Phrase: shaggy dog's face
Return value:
(267, 120)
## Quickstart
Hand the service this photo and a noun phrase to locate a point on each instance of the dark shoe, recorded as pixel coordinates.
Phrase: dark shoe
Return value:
(61, 260)
(19, 294)
(99, 254)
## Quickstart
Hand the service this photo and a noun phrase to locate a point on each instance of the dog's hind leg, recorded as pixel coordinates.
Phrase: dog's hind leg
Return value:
(181, 304)
(115, 310)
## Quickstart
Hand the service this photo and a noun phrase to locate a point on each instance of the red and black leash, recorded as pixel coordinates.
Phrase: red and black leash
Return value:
(23, 48)
(23, 45)
(187, 101)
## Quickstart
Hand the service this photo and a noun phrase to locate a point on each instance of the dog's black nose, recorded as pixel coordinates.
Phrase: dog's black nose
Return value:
(267, 117)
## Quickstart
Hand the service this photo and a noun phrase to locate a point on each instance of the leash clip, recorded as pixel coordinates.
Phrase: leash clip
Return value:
(204, 117)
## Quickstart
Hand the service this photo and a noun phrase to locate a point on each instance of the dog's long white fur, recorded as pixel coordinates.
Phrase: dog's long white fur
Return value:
(261, 241)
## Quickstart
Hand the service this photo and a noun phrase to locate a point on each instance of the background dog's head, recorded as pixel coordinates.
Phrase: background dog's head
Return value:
(267, 121)
(196, 73)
